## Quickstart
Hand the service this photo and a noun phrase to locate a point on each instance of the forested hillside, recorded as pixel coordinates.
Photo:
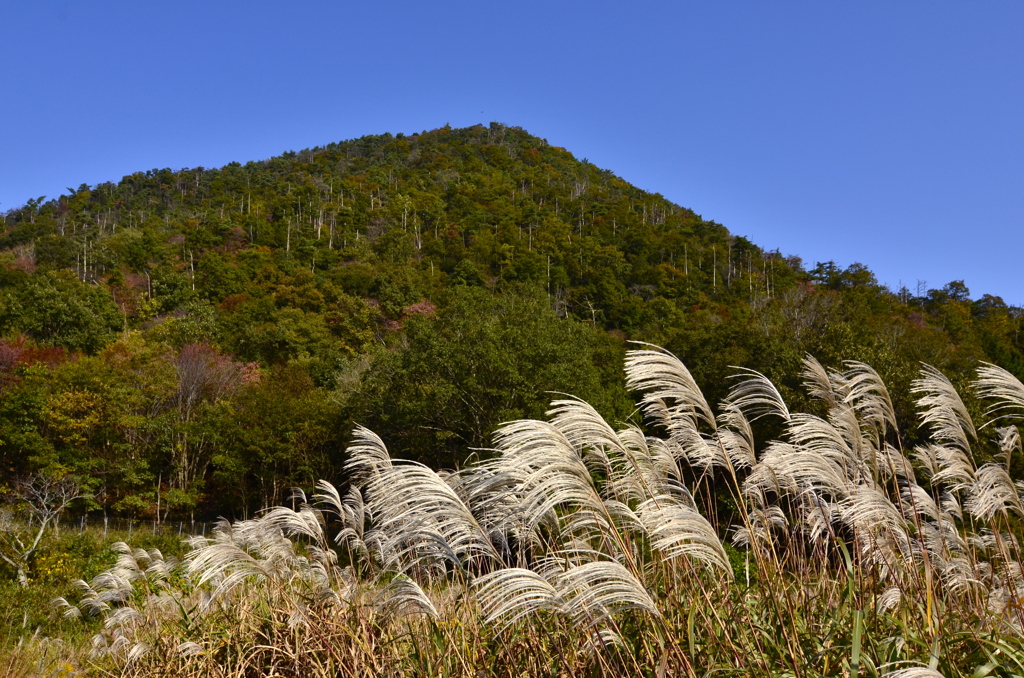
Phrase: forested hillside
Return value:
(196, 342)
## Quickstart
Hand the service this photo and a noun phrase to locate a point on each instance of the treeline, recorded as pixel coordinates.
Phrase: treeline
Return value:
(198, 341)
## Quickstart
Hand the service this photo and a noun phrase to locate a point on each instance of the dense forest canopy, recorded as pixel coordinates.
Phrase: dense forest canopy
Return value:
(198, 341)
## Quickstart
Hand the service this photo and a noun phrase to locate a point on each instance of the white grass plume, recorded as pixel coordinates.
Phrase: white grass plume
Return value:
(548, 471)
(955, 467)
(418, 517)
(943, 410)
(916, 501)
(678, 530)
(867, 509)
(889, 600)
(588, 593)
(226, 561)
(595, 591)
(366, 455)
(897, 464)
(582, 425)
(814, 434)
(511, 594)
(1009, 442)
(403, 597)
(869, 396)
(664, 379)
(701, 451)
(736, 437)
(638, 471)
(996, 383)
(819, 384)
(756, 396)
(763, 524)
(992, 493)
(647, 468)
(787, 469)
(913, 672)
(816, 516)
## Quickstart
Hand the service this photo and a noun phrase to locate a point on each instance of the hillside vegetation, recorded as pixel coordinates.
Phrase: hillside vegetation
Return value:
(196, 342)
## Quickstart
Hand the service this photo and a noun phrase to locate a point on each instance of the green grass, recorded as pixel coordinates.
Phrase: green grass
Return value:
(63, 557)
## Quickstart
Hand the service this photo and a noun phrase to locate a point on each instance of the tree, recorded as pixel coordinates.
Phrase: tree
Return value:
(480, 361)
(34, 502)
(278, 432)
(58, 309)
(204, 376)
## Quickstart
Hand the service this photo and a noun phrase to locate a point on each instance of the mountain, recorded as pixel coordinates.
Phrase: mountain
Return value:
(203, 339)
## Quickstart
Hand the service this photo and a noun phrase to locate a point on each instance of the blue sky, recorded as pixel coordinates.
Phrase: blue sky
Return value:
(887, 133)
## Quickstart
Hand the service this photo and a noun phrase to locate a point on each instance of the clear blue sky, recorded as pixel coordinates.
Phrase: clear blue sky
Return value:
(889, 133)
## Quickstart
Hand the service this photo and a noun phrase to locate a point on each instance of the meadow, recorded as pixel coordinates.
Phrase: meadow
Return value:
(745, 539)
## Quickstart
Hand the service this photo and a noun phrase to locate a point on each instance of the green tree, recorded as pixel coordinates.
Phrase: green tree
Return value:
(281, 431)
(58, 309)
(482, 360)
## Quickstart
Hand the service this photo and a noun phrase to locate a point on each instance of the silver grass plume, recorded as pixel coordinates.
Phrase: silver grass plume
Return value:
(869, 396)
(676, 529)
(670, 393)
(606, 638)
(367, 454)
(134, 598)
(816, 516)
(589, 593)
(548, 473)
(951, 504)
(419, 518)
(633, 474)
(701, 451)
(943, 410)
(914, 672)
(640, 471)
(995, 383)
(927, 458)
(350, 510)
(403, 597)
(595, 591)
(190, 649)
(897, 464)
(955, 467)
(917, 502)
(879, 526)
(788, 469)
(654, 459)
(583, 426)
(511, 594)
(992, 493)
(889, 600)
(863, 441)
(249, 552)
(819, 384)
(949, 555)
(495, 496)
(813, 434)
(735, 437)
(756, 396)
(592, 527)
(1009, 442)
(764, 523)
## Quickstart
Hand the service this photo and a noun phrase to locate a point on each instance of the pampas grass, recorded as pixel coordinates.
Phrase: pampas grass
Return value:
(582, 548)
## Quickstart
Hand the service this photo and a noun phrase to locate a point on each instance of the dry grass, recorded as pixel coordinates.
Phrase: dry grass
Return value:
(580, 549)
